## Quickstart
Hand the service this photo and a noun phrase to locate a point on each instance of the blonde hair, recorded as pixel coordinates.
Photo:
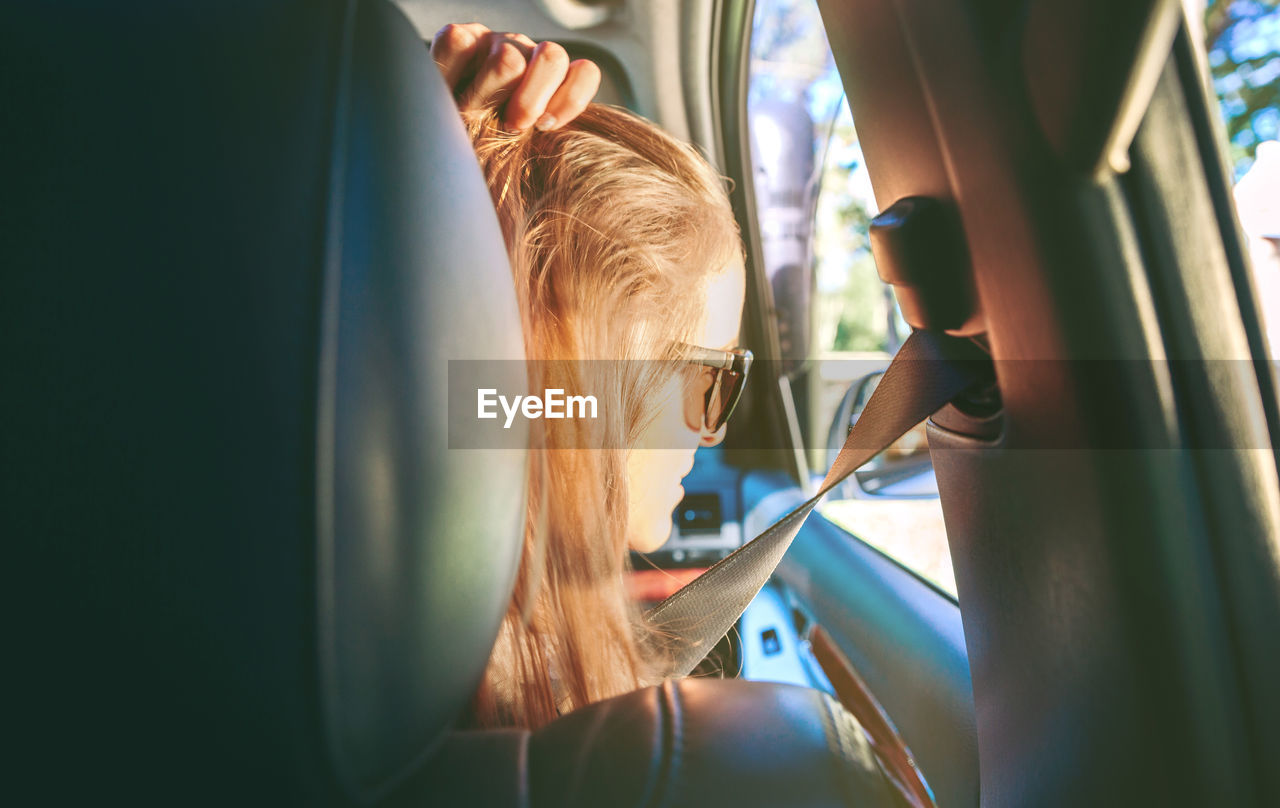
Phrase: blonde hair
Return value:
(613, 228)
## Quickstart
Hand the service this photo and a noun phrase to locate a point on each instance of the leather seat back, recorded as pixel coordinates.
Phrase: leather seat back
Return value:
(242, 242)
(690, 742)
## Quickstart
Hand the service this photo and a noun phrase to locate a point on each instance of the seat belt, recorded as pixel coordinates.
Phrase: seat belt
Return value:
(928, 372)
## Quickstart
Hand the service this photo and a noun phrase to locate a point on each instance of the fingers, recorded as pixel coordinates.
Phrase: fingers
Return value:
(525, 44)
(498, 74)
(548, 69)
(454, 47)
(537, 82)
(580, 85)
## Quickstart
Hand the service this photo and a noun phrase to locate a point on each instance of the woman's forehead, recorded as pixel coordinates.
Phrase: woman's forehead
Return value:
(725, 292)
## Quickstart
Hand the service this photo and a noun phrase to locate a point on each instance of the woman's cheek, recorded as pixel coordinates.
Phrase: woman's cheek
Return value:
(643, 511)
(654, 478)
(661, 458)
(669, 429)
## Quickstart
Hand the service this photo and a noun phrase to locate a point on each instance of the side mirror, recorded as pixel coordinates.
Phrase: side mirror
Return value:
(904, 470)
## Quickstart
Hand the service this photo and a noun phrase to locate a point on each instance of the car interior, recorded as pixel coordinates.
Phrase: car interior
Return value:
(243, 241)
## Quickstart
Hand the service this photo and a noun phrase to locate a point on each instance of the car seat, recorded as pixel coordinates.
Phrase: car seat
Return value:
(244, 240)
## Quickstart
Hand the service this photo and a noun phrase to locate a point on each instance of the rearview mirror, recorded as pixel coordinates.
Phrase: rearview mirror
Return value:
(904, 470)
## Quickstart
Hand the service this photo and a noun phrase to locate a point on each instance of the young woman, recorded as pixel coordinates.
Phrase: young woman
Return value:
(628, 270)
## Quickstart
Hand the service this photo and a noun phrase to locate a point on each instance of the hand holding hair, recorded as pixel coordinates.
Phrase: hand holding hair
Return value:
(536, 82)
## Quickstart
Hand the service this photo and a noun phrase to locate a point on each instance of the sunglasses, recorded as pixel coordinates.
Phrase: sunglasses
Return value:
(730, 369)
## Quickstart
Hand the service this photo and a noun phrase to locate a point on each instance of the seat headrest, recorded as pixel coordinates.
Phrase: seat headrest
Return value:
(246, 243)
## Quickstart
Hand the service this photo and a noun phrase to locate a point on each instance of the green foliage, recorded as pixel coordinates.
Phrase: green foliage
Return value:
(1242, 39)
(862, 309)
(852, 309)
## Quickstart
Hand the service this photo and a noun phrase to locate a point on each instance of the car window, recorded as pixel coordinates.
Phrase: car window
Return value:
(1242, 43)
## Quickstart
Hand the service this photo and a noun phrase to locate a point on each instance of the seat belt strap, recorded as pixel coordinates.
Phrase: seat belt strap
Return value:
(928, 372)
